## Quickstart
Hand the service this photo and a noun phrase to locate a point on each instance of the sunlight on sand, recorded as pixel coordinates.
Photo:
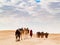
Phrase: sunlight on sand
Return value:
(8, 38)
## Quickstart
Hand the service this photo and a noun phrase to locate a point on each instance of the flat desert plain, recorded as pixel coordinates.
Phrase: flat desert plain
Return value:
(8, 38)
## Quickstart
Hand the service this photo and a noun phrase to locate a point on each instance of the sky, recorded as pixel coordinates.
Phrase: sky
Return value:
(38, 15)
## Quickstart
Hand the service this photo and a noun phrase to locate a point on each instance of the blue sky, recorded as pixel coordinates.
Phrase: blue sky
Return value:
(38, 16)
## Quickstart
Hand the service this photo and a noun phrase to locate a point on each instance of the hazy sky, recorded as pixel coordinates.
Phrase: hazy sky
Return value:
(43, 15)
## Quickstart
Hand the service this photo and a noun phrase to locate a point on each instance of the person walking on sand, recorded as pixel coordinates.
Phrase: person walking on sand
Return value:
(31, 33)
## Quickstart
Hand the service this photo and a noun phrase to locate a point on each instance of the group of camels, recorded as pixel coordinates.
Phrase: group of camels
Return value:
(20, 32)
(25, 32)
(42, 35)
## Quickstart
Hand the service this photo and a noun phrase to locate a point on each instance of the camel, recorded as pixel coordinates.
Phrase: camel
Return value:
(21, 32)
(38, 34)
(42, 34)
(46, 35)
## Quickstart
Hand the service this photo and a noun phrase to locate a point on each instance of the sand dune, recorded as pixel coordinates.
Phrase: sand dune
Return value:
(8, 38)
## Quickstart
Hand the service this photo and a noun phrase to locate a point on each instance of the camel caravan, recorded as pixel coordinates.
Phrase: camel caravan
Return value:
(23, 33)
(42, 34)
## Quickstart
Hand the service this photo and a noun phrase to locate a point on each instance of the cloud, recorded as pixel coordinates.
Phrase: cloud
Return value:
(8, 0)
(57, 16)
(7, 10)
(36, 11)
(6, 7)
(24, 9)
(54, 5)
(11, 10)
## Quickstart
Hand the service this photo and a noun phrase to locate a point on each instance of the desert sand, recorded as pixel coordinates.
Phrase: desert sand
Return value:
(8, 38)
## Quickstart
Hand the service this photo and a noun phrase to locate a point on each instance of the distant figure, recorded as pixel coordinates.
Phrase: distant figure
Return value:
(17, 34)
(42, 34)
(38, 34)
(31, 33)
(46, 35)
